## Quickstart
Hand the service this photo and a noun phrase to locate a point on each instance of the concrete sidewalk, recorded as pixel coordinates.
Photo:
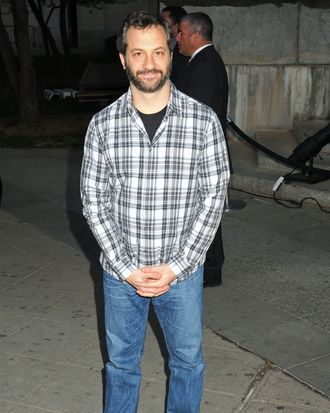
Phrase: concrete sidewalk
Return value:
(267, 329)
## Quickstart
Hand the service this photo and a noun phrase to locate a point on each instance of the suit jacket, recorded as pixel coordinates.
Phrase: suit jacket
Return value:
(179, 63)
(205, 79)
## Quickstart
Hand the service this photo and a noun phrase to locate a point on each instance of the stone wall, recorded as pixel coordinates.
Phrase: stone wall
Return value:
(272, 96)
(277, 54)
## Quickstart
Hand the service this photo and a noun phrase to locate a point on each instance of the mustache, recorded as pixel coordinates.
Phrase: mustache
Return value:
(148, 72)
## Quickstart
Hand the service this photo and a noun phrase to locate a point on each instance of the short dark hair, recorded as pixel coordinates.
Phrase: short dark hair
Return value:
(200, 23)
(176, 13)
(140, 20)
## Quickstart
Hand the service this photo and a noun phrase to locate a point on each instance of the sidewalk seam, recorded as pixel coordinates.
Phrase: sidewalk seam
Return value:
(257, 379)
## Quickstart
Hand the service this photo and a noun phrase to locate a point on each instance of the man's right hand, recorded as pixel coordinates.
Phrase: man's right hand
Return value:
(140, 281)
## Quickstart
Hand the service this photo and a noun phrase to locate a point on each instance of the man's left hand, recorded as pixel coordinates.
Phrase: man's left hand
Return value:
(146, 289)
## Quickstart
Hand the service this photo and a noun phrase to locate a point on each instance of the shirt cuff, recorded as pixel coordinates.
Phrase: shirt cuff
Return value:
(179, 265)
(123, 269)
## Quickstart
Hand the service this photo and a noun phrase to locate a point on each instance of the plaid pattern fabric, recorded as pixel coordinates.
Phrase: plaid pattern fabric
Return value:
(154, 203)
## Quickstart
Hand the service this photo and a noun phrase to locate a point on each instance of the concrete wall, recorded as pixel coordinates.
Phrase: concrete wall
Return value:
(270, 32)
(277, 55)
(271, 97)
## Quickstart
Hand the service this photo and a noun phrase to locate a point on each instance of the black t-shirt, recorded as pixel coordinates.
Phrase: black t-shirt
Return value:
(152, 121)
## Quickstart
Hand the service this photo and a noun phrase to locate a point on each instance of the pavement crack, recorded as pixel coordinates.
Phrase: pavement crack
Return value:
(253, 385)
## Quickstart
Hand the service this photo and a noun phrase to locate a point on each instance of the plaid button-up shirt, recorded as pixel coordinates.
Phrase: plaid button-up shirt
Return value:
(160, 202)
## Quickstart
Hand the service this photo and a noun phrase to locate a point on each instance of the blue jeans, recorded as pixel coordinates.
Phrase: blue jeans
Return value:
(179, 312)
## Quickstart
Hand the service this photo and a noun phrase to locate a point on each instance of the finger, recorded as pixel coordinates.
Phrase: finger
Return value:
(151, 288)
(157, 281)
(151, 295)
(140, 293)
(149, 284)
(153, 291)
(152, 275)
(163, 292)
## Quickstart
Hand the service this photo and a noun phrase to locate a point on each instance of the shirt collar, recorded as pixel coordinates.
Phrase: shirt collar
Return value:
(199, 50)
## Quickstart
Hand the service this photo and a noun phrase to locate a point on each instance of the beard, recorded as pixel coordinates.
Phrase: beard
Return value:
(145, 86)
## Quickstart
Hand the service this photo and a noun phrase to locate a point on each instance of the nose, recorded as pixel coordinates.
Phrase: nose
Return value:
(177, 38)
(149, 61)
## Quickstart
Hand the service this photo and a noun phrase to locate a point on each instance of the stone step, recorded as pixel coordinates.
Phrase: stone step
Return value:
(261, 181)
(248, 176)
(283, 143)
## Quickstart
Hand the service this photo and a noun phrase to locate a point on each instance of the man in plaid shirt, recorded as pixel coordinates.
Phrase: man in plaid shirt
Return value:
(153, 183)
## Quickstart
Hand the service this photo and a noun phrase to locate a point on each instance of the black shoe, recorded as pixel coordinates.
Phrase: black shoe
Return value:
(214, 283)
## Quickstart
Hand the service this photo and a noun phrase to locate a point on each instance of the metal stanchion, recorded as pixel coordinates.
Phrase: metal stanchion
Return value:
(233, 204)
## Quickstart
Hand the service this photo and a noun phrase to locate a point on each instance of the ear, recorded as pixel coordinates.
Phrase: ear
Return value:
(122, 59)
(196, 37)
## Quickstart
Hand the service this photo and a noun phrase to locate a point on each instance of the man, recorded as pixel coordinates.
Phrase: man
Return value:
(153, 184)
(204, 79)
(172, 15)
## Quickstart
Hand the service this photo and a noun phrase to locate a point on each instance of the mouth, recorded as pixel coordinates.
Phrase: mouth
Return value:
(149, 74)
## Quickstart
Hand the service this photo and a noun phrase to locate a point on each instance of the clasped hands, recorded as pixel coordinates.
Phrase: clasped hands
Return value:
(151, 281)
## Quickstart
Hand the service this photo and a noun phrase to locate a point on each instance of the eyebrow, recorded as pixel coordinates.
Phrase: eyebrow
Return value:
(138, 49)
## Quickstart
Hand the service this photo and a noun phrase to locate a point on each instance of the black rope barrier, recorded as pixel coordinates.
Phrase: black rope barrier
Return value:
(295, 165)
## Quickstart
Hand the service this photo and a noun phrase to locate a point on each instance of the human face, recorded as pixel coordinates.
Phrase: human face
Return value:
(147, 60)
(166, 15)
(186, 39)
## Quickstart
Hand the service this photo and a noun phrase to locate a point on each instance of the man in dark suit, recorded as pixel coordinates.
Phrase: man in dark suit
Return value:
(205, 79)
(172, 15)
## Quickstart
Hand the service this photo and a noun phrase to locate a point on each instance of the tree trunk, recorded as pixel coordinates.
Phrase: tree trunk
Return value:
(64, 35)
(9, 59)
(44, 38)
(28, 100)
(48, 37)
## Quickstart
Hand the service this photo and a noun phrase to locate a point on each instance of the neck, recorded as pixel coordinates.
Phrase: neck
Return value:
(201, 44)
(151, 102)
